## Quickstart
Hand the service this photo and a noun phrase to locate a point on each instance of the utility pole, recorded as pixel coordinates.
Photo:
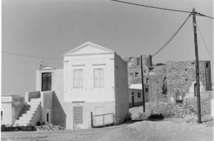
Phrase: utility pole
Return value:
(197, 66)
(142, 81)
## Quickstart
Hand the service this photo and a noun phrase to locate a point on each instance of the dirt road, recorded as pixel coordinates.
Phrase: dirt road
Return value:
(64, 135)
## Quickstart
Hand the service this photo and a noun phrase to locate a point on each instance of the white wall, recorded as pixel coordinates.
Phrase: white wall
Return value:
(7, 113)
(108, 107)
(11, 107)
(121, 89)
(88, 93)
(138, 100)
(47, 102)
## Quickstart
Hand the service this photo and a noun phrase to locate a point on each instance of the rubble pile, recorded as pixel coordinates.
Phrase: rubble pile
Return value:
(168, 110)
(49, 127)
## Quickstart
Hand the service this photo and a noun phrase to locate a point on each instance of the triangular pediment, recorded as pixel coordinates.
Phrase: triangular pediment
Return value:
(88, 48)
(47, 68)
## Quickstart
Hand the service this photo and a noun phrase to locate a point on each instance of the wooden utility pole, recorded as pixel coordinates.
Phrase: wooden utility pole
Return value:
(142, 81)
(197, 66)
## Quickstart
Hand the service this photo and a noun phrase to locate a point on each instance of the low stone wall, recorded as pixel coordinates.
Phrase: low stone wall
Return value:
(30, 95)
(168, 110)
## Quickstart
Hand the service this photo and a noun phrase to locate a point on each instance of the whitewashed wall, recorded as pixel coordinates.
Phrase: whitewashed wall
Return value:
(88, 93)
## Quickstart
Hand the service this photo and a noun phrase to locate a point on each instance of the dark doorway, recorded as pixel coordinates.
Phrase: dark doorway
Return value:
(46, 81)
(47, 117)
(2, 117)
(195, 89)
(132, 99)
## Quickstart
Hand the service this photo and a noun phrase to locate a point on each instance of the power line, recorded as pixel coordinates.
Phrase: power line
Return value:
(204, 42)
(30, 56)
(170, 39)
(154, 7)
(205, 16)
(160, 8)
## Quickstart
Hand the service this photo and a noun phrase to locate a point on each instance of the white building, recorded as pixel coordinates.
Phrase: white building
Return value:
(95, 80)
(91, 90)
(92, 82)
(135, 94)
(11, 106)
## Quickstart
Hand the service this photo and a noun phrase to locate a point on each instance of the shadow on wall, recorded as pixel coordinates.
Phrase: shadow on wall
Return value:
(58, 114)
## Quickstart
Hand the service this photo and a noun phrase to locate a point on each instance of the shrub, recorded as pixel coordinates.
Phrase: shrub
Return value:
(128, 117)
(156, 116)
(11, 128)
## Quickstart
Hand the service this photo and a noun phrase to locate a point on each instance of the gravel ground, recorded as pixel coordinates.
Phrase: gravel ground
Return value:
(63, 135)
(170, 129)
(167, 130)
(160, 131)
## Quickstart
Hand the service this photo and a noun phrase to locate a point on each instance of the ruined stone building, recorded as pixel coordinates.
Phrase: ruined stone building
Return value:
(172, 81)
(168, 82)
(157, 78)
(134, 69)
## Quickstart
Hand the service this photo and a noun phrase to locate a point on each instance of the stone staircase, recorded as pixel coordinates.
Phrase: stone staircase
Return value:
(28, 113)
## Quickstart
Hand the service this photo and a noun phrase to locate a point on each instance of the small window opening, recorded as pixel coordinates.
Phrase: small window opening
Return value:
(164, 88)
(207, 65)
(132, 93)
(147, 80)
(179, 97)
(147, 90)
(138, 95)
(136, 74)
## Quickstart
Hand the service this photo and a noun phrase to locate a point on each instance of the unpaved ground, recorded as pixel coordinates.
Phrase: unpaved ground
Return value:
(160, 131)
(164, 130)
(64, 135)
(167, 130)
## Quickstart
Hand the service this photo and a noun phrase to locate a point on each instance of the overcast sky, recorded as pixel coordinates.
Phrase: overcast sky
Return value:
(49, 28)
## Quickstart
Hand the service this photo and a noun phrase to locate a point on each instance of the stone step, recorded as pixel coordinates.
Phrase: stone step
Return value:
(26, 117)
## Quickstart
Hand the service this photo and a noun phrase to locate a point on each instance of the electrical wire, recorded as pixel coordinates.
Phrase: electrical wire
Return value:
(30, 56)
(160, 8)
(170, 39)
(205, 16)
(204, 42)
(154, 7)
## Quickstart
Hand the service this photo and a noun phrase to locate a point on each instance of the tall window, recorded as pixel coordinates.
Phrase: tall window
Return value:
(98, 77)
(77, 78)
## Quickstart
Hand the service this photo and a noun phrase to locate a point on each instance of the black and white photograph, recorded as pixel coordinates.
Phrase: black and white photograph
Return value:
(107, 70)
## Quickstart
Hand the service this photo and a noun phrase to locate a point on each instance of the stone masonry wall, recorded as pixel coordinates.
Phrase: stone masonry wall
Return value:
(181, 74)
(166, 81)
(156, 82)
(134, 68)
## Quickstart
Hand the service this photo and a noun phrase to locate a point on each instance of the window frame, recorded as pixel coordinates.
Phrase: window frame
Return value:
(98, 81)
(78, 81)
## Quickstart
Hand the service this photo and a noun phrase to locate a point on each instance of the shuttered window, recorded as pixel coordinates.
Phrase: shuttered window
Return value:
(98, 77)
(77, 78)
(78, 114)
